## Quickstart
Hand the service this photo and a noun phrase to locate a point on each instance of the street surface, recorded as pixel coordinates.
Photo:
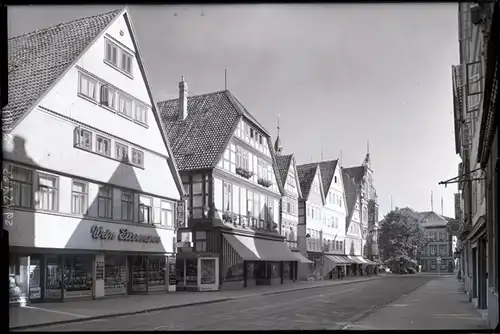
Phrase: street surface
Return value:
(322, 308)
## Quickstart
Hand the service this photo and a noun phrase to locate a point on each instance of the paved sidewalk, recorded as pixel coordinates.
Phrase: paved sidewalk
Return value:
(436, 305)
(74, 311)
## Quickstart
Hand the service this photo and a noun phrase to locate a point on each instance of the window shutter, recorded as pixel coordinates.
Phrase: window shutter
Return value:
(78, 135)
(473, 79)
(104, 95)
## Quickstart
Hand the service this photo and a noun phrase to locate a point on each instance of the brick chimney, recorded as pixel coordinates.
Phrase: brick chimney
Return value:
(183, 95)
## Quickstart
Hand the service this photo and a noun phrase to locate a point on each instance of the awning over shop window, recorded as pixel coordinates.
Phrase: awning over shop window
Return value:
(339, 259)
(357, 259)
(256, 249)
(301, 258)
(370, 262)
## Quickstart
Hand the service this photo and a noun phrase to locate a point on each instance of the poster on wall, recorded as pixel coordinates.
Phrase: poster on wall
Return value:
(207, 271)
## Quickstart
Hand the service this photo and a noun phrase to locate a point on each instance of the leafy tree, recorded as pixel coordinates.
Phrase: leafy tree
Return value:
(401, 237)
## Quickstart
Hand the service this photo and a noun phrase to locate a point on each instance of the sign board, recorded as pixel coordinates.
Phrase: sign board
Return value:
(99, 232)
(455, 227)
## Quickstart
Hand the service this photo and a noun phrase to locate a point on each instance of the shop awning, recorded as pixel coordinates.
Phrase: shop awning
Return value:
(370, 262)
(301, 258)
(357, 259)
(256, 249)
(339, 259)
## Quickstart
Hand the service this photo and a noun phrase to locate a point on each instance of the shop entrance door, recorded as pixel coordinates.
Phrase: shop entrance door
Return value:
(208, 274)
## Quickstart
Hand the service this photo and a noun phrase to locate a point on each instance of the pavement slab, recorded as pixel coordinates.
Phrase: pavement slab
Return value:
(436, 305)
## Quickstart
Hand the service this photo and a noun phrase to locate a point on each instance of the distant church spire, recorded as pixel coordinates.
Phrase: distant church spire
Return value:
(367, 162)
(278, 148)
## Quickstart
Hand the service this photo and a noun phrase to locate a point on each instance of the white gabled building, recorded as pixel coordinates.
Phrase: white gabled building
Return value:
(94, 183)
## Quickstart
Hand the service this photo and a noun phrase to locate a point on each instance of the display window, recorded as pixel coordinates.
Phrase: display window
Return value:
(157, 273)
(34, 279)
(78, 272)
(18, 279)
(53, 278)
(208, 271)
(115, 274)
(274, 269)
(191, 272)
(287, 272)
(139, 274)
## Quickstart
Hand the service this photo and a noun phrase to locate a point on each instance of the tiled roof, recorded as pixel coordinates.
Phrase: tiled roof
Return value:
(327, 172)
(306, 176)
(351, 191)
(38, 58)
(200, 139)
(433, 218)
(283, 163)
(356, 172)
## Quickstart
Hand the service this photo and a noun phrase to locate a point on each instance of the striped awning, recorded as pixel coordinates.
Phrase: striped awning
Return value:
(301, 258)
(256, 249)
(368, 261)
(357, 259)
(339, 259)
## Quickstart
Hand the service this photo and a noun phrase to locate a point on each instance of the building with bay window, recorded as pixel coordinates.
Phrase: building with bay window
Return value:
(228, 168)
(92, 187)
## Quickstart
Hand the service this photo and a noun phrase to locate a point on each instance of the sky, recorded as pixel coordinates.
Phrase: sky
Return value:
(340, 76)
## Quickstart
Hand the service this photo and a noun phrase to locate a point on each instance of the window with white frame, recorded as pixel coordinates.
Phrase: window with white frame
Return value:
(125, 105)
(256, 205)
(166, 214)
(145, 209)
(433, 250)
(108, 96)
(83, 138)
(105, 202)
(140, 113)
(290, 180)
(103, 145)
(228, 197)
(118, 57)
(79, 197)
(121, 152)
(127, 205)
(249, 203)
(442, 250)
(137, 157)
(21, 184)
(87, 86)
(48, 192)
(270, 210)
(242, 158)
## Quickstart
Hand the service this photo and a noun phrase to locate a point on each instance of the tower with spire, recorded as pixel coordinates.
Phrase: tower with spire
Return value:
(278, 148)
(367, 162)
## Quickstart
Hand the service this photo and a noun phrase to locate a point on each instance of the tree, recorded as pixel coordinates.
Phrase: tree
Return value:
(401, 237)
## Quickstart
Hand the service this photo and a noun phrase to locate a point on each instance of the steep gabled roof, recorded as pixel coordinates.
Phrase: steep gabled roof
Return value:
(356, 172)
(283, 162)
(431, 218)
(37, 60)
(307, 173)
(351, 191)
(327, 173)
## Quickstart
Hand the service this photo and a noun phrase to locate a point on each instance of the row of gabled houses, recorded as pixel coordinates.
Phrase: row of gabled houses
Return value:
(108, 192)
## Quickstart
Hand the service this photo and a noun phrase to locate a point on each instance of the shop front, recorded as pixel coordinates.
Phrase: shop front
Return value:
(89, 261)
(197, 271)
(249, 261)
(337, 265)
(357, 267)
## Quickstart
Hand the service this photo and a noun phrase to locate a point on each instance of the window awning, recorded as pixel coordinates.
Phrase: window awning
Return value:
(339, 259)
(370, 262)
(256, 249)
(301, 258)
(357, 259)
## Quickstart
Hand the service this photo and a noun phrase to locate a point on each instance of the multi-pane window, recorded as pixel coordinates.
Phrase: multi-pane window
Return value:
(108, 97)
(118, 57)
(121, 152)
(124, 105)
(21, 184)
(249, 203)
(137, 157)
(127, 205)
(140, 113)
(79, 198)
(103, 145)
(290, 180)
(166, 214)
(88, 86)
(228, 197)
(105, 202)
(145, 210)
(47, 192)
(341, 245)
(433, 250)
(256, 205)
(241, 158)
(83, 138)
(270, 210)
(442, 250)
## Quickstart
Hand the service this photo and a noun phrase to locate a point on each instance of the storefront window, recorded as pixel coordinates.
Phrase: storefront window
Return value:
(235, 273)
(34, 285)
(179, 271)
(260, 270)
(115, 271)
(53, 281)
(287, 270)
(274, 269)
(157, 273)
(191, 272)
(208, 271)
(139, 273)
(18, 279)
(77, 276)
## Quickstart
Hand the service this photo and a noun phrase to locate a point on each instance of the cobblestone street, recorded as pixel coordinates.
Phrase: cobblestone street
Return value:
(323, 308)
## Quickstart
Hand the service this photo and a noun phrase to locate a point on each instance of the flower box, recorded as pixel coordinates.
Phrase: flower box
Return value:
(229, 217)
(264, 182)
(244, 172)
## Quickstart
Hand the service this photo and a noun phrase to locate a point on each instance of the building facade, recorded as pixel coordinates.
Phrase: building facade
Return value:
(475, 81)
(94, 191)
(228, 168)
(440, 244)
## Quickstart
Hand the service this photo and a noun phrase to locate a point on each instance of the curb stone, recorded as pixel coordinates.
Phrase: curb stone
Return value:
(116, 315)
